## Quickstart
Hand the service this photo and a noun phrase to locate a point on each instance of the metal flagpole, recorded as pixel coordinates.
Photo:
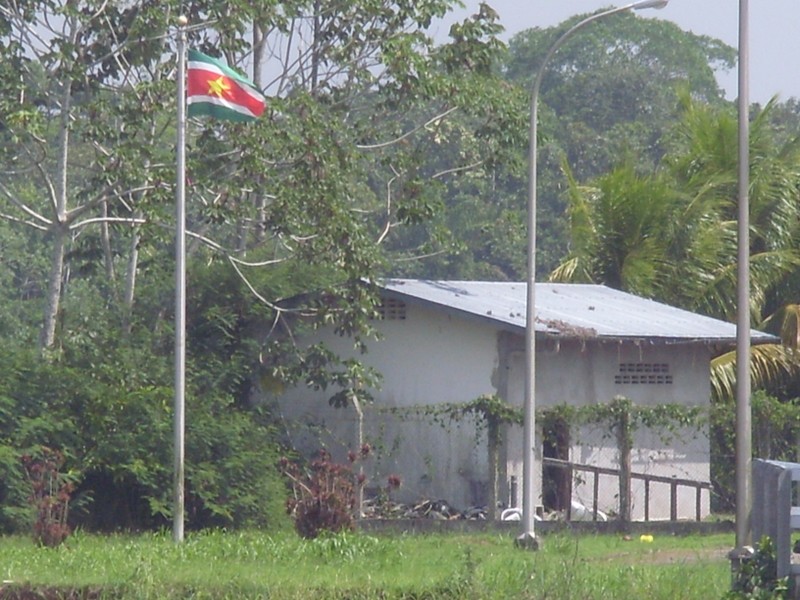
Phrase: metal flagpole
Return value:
(180, 289)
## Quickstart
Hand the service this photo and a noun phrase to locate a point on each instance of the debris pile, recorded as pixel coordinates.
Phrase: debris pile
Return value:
(379, 507)
(441, 510)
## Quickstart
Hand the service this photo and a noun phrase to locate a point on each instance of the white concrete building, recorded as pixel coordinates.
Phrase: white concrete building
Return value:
(453, 341)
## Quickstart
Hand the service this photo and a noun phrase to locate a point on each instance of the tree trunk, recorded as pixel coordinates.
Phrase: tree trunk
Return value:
(359, 445)
(130, 281)
(48, 334)
(108, 258)
(59, 228)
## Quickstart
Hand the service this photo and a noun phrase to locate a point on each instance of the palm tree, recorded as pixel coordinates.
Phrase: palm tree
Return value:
(671, 235)
(705, 163)
(770, 364)
(617, 229)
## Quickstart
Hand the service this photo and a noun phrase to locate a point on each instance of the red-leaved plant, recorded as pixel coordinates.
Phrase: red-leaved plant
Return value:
(50, 495)
(325, 495)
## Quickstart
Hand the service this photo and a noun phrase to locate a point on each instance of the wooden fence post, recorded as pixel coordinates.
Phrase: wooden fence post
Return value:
(493, 443)
(624, 443)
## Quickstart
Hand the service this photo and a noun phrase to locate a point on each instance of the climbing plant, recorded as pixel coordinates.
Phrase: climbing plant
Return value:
(620, 416)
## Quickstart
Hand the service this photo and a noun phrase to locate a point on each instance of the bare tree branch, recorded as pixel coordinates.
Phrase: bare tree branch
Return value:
(95, 220)
(458, 169)
(14, 219)
(24, 207)
(428, 123)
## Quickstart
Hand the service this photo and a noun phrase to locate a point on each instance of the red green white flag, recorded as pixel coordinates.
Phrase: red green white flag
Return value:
(217, 91)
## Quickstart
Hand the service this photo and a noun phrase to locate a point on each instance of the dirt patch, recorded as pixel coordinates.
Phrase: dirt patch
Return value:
(665, 557)
(671, 556)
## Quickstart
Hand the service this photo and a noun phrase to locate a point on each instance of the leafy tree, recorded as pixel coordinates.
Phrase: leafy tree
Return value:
(613, 88)
(610, 94)
(672, 235)
(289, 215)
(620, 232)
(775, 180)
(364, 87)
(689, 208)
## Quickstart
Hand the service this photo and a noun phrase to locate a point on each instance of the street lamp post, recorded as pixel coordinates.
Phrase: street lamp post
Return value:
(744, 450)
(527, 538)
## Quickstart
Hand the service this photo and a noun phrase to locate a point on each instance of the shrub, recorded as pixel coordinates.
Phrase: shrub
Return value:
(50, 495)
(757, 578)
(324, 497)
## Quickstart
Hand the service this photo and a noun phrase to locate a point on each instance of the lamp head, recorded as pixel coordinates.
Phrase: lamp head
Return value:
(650, 4)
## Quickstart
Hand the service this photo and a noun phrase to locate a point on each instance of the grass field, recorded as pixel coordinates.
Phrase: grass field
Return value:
(362, 566)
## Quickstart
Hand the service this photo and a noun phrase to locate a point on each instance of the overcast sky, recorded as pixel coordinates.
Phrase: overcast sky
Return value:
(774, 33)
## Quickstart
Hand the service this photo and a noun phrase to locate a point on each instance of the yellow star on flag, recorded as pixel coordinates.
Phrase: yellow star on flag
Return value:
(218, 87)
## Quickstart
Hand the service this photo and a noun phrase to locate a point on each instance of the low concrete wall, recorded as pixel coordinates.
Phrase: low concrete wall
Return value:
(423, 526)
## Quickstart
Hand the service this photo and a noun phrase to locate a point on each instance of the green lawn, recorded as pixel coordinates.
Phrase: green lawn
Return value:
(282, 566)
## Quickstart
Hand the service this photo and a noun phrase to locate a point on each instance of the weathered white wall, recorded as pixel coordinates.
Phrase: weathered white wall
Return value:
(425, 359)
(684, 456)
(579, 373)
(431, 358)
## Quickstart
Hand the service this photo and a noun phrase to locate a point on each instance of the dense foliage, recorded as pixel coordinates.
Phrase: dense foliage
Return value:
(381, 152)
(368, 124)
(610, 93)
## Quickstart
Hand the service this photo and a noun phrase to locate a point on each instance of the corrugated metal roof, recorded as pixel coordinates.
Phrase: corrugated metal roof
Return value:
(570, 310)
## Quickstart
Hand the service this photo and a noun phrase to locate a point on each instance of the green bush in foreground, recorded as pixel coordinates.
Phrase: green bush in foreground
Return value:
(112, 429)
(757, 577)
(217, 565)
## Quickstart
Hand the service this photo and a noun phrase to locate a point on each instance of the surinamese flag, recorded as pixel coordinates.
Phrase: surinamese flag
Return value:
(217, 91)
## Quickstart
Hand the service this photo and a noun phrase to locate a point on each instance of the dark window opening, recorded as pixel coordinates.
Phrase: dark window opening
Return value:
(556, 484)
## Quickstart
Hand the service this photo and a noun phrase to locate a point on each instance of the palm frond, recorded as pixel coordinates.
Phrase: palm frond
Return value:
(769, 364)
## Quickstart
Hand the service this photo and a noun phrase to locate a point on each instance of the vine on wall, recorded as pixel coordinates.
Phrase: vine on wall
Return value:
(620, 417)
(776, 429)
